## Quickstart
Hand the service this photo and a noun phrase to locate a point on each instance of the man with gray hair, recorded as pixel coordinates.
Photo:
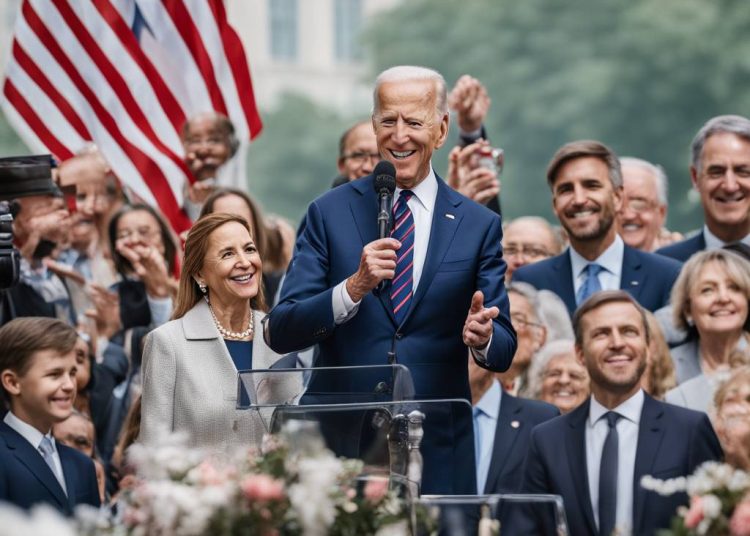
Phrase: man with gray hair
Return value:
(419, 298)
(720, 171)
(586, 182)
(644, 205)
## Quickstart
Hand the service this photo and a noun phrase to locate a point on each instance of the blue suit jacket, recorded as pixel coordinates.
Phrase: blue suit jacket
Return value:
(645, 276)
(464, 255)
(26, 479)
(684, 249)
(672, 442)
(514, 424)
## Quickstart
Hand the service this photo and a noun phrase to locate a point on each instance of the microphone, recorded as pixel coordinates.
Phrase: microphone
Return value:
(385, 185)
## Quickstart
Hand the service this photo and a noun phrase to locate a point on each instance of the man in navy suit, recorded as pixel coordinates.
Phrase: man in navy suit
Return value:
(586, 182)
(443, 292)
(37, 374)
(596, 456)
(502, 427)
(720, 171)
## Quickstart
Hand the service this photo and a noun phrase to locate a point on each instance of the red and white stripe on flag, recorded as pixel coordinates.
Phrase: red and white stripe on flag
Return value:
(125, 74)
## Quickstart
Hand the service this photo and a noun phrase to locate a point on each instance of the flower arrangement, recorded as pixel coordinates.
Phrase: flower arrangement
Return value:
(719, 501)
(271, 491)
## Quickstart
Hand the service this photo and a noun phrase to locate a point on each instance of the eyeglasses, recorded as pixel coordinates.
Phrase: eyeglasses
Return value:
(521, 320)
(76, 441)
(638, 205)
(210, 140)
(530, 252)
(555, 374)
(143, 232)
(361, 158)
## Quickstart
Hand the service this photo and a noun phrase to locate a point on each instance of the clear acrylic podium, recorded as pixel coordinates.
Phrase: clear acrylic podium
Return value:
(424, 447)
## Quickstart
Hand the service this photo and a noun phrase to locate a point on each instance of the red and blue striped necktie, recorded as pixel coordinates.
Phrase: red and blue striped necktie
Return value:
(403, 281)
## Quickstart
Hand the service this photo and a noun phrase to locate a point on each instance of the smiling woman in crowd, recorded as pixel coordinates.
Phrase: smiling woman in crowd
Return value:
(190, 364)
(710, 302)
(556, 376)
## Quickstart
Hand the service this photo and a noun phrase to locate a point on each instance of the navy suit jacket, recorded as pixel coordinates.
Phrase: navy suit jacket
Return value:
(26, 479)
(672, 442)
(645, 276)
(464, 255)
(514, 424)
(684, 249)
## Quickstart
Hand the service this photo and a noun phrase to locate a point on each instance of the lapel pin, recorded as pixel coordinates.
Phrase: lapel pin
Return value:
(515, 424)
(634, 283)
(450, 216)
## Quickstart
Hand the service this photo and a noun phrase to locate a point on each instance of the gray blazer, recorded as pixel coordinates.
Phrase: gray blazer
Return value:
(697, 394)
(190, 384)
(687, 358)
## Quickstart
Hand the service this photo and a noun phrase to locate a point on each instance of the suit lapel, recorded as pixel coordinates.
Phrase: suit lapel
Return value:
(441, 235)
(565, 290)
(650, 435)
(632, 278)
(69, 473)
(505, 437)
(576, 447)
(364, 209)
(26, 454)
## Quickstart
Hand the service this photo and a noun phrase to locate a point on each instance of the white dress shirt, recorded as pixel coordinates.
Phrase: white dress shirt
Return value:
(610, 260)
(627, 435)
(714, 242)
(34, 436)
(486, 413)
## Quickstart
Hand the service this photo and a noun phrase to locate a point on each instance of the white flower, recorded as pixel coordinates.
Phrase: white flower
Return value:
(311, 495)
(711, 506)
(42, 520)
(664, 487)
(400, 528)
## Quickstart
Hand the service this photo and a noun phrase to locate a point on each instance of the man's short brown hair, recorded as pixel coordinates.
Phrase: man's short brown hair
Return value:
(601, 298)
(581, 149)
(22, 337)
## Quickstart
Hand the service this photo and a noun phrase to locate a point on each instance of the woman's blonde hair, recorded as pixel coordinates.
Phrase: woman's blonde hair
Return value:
(196, 246)
(737, 268)
(661, 376)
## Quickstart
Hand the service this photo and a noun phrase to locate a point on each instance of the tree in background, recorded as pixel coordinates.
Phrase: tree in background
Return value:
(639, 75)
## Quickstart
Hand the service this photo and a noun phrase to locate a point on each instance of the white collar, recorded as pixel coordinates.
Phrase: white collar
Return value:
(425, 192)
(489, 404)
(630, 409)
(714, 242)
(610, 259)
(29, 433)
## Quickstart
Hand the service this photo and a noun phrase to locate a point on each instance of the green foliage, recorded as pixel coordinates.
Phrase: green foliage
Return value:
(10, 142)
(639, 75)
(294, 159)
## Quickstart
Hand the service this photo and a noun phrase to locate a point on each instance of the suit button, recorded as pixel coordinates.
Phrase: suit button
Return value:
(399, 335)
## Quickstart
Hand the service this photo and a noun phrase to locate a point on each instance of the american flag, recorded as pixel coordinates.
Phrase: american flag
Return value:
(125, 75)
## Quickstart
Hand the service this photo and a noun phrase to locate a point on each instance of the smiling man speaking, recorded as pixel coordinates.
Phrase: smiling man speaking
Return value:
(442, 270)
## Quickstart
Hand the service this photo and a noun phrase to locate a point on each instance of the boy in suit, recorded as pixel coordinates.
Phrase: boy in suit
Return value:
(37, 374)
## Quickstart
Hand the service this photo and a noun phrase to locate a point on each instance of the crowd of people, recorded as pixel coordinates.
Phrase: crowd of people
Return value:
(594, 350)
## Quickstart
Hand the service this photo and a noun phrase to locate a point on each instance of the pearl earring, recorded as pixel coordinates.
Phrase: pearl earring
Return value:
(202, 286)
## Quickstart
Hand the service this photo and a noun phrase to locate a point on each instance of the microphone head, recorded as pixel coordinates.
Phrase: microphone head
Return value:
(385, 177)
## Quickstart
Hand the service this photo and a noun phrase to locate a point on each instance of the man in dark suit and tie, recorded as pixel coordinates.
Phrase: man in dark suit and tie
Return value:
(720, 171)
(502, 427)
(442, 267)
(586, 183)
(596, 456)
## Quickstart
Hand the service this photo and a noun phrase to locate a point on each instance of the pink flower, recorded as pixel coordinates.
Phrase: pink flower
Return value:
(739, 525)
(375, 489)
(210, 475)
(262, 488)
(695, 514)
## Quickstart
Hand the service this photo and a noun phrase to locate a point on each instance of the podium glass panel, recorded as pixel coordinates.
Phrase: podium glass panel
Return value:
(485, 515)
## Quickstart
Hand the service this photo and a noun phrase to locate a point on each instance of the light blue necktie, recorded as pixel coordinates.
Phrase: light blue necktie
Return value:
(481, 459)
(590, 284)
(48, 451)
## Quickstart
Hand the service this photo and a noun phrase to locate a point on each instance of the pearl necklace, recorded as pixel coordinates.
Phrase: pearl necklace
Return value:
(229, 334)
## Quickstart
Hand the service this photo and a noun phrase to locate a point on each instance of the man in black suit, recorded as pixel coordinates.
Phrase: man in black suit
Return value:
(720, 171)
(596, 456)
(502, 427)
(586, 183)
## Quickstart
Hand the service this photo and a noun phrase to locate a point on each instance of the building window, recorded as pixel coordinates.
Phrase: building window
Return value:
(348, 20)
(283, 29)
